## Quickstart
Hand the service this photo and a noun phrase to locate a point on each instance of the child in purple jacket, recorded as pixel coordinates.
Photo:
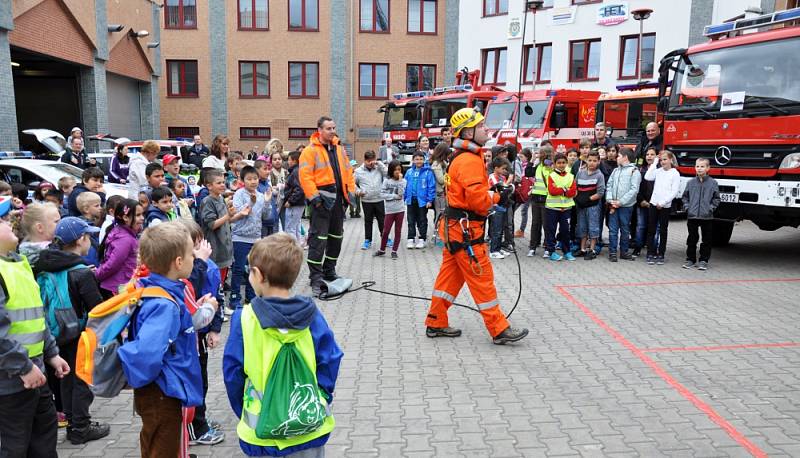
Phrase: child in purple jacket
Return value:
(120, 247)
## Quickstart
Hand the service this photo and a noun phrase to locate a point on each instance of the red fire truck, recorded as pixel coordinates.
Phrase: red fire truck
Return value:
(626, 113)
(563, 116)
(735, 100)
(412, 115)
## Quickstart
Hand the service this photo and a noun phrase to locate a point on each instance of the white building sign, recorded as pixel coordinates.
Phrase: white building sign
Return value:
(612, 14)
(563, 16)
(514, 28)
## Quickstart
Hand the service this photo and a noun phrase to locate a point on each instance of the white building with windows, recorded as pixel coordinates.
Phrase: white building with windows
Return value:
(581, 44)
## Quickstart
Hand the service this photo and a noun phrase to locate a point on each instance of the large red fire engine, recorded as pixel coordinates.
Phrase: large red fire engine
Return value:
(562, 116)
(735, 100)
(412, 115)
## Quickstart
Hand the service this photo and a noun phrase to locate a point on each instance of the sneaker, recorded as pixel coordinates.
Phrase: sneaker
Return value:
(590, 255)
(62, 420)
(366, 245)
(94, 431)
(579, 253)
(569, 256)
(389, 243)
(519, 234)
(410, 244)
(229, 311)
(651, 260)
(214, 424)
(688, 264)
(211, 437)
(442, 332)
(379, 253)
(510, 335)
(504, 252)
(497, 255)
(546, 254)
(702, 265)
(532, 253)
(660, 260)
(626, 256)
(394, 255)
(420, 244)
(556, 257)
(636, 252)
(612, 257)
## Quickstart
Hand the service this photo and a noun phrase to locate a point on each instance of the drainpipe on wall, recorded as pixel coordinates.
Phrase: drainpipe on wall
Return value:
(352, 115)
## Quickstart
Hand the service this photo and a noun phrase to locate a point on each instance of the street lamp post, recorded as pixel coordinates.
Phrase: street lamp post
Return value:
(640, 15)
(529, 5)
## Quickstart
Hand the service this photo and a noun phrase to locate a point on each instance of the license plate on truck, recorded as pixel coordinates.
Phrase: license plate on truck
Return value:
(729, 197)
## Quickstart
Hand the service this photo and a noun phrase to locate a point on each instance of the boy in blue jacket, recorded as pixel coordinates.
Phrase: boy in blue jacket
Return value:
(420, 193)
(159, 357)
(259, 330)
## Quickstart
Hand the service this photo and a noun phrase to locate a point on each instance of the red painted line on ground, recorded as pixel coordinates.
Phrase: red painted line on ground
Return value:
(685, 392)
(722, 347)
(682, 282)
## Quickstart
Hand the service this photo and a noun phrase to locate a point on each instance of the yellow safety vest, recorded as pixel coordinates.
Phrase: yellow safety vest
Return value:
(562, 201)
(540, 180)
(261, 346)
(24, 306)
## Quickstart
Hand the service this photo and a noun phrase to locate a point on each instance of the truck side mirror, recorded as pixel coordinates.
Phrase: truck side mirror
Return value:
(663, 103)
(559, 120)
(479, 106)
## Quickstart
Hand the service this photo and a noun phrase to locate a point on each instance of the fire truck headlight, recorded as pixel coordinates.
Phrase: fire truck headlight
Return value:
(791, 161)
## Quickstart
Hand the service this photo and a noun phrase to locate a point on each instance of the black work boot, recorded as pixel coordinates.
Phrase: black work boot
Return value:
(88, 433)
(510, 335)
(442, 332)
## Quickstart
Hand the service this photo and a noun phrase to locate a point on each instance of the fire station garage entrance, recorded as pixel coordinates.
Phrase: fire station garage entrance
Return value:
(47, 93)
(124, 111)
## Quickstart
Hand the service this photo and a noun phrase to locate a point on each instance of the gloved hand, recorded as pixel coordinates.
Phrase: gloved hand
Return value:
(505, 196)
(498, 187)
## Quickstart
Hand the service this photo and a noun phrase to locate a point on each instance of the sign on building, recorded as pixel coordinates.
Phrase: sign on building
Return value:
(514, 28)
(563, 16)
(612, 14)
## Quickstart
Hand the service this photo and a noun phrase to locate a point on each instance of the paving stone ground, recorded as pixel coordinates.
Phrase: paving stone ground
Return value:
(650, 361)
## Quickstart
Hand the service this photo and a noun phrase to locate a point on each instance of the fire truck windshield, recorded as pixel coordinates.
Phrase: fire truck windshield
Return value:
(535, 120)
(499, 115)
(401, 118)
(438, 112)
(730, 81)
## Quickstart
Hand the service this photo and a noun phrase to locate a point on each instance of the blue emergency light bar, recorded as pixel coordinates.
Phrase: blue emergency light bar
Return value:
(411, 95)
(753, 22)
(552, 93)
(16, 154)
(459, 88)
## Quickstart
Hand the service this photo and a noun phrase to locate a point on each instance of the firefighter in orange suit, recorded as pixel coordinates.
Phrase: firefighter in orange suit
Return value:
(465, 257)
(326, 177)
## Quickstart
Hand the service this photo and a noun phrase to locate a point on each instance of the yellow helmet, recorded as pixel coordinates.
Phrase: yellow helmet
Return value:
(463, 118)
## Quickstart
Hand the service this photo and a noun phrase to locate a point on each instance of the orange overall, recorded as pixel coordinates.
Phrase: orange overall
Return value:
(468, 190)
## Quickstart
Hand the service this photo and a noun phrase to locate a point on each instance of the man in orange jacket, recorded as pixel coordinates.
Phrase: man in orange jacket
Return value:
(464, 258)
(326, 177)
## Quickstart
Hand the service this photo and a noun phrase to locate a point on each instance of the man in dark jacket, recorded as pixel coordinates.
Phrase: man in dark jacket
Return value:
(75, 154)
(652, 139)
(73, 242)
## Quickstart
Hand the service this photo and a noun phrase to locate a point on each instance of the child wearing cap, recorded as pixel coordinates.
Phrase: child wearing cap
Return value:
(28, 425)
(172, 170)
(72, 242)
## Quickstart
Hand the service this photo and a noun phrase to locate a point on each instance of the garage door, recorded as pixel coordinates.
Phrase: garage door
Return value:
(124, 113)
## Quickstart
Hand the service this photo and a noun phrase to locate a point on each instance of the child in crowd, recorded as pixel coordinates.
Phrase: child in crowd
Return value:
(700, 199)
(621, 191)
(20, 193)
(180, 201)
(246, 229)
(144, 199)
(66, 184)
(497, 220)
(268, 219)
(28, 425)
(154, 174)
(584, 147)
(159, 356)
(56, 197)
(643, 203)
(39, 226)
(215, 219)
(294, 200)
(561, 189)
(523, 176)
(591, 189)
(233, 167)
(41, 191)
(92, 181)
(392, 192)
(420, 194)
(538, 197)
(162, 209)
(92, 213)
(72, 242)
(258, 332)
(172, 172)
(108, 221)
(205, 280)
(120, 247)
(572, 156)
(277, 178)
(667, 182)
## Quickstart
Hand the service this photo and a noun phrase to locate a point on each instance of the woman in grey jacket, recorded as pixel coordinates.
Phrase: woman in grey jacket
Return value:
(439, 167)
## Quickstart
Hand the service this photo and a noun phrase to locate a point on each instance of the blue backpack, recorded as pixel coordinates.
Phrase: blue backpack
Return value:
(65, 325)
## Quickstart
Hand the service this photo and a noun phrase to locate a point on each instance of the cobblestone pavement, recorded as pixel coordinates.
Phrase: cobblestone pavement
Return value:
(623, 359)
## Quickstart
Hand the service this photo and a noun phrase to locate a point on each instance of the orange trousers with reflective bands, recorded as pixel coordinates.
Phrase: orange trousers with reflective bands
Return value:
(456, 269)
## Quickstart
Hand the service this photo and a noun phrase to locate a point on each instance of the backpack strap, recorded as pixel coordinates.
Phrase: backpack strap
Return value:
(157, 292)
